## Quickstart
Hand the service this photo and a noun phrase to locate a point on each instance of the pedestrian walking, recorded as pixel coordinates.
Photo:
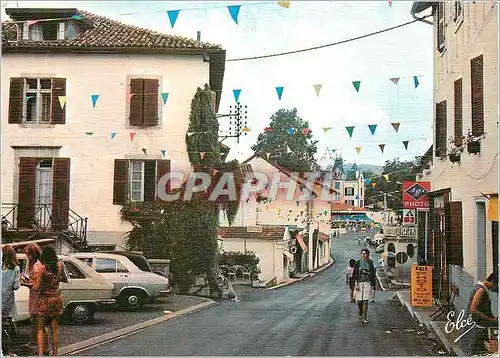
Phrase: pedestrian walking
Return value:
(50, 300)
(10, 283)
(479, 307)
(349, 279)
(365, 281)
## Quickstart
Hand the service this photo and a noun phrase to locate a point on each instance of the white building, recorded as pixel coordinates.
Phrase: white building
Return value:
(87, 122)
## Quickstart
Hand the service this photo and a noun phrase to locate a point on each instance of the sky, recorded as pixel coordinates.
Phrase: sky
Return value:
(264, 27)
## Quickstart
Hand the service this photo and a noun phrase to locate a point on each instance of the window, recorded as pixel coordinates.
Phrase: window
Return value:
(37, 100)
(441, 27)
(144, 102)
(440, 129)
(361, 203)
(391, 247)
(44, 31)
(120, 268)
(74, 272)
(458, 16)
(105, 266)
(88, 260)
(410, 250)
(136, 180)
(349, 191)
(350, 202)
(458, 112)
(477, 96)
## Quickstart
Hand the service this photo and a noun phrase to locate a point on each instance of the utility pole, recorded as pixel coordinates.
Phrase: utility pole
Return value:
(309, 235)
(237, 121)
(385, 209)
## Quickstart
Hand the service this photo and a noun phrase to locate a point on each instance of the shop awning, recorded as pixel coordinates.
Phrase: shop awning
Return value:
(493, 207)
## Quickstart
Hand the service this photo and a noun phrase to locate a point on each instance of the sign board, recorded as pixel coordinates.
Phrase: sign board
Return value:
(421, 286)
(254, 228)
(401, 257)
(409, 217)
(415, 194)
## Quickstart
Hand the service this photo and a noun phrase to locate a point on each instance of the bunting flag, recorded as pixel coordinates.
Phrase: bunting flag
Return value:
(113, 134)
(62, 101)
(129, 96)
(305, 131)
(89, 133)
(236, 93)
(132, 135)
(395, 80)
(374, 185)
(356, 85)
(163, 152)
(395, 125)
(350, 130)
(358, 149)
(390, 3)
(234, 10)
(246, 129)
(95, 97)
(291, 131)
(268, 154)
(144, 150)
(202, 155)
(267, 207)
(32, 22)
(279, 91)
(406, 170)
(317, 88)
(367, 181)
(405, 143)
(164, 97)
(326, 129)
(382, 146)
(268, 129)
(76, 17)
(372, 127)
(189, 134)
(297, 202)
(386, 176)
(172, 15)
(285, 4)
(288, 150)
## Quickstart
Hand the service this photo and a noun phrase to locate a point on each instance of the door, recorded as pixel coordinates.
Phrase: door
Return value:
(114, 272)
(481, 240)
(43, 192)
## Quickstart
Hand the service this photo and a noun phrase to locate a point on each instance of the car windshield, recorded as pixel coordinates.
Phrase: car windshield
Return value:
(140, 262)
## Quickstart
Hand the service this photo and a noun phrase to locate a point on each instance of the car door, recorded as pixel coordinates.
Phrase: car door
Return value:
(113, 271)
(81, 285)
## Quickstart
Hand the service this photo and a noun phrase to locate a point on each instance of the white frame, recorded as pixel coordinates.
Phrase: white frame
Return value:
(131, 171)
(39, 105)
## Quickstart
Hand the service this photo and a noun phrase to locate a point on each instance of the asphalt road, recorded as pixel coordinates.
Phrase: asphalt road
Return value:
(312, 318)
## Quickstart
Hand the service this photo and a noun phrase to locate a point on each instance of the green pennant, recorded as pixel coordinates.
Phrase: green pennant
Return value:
(356, 85)
(350, 130)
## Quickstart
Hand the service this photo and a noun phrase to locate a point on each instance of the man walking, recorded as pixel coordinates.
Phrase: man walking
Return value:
(365, 281)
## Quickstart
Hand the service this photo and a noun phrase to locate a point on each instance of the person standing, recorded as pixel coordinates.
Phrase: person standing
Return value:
(365, 281)
(50, 300)
(349, 279)
(479, 307)
(10, 283)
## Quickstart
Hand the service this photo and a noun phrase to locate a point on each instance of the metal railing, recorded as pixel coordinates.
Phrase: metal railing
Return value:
(400, 230)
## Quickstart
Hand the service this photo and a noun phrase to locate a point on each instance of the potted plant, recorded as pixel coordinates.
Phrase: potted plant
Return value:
(473, 142)
(454, 150)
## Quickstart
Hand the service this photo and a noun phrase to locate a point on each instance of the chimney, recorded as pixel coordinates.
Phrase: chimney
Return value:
(198, 36)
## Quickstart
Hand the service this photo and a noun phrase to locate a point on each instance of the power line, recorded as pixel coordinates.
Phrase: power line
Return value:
(325, 45)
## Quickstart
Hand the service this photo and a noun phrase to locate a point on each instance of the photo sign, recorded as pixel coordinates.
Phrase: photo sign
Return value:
(421, 286)
(415, 194)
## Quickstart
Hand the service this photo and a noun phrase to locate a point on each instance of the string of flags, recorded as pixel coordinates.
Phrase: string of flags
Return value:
(350, 129)
(95, 97)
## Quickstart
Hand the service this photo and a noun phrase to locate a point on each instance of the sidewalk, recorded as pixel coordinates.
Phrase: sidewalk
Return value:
(291, 280)
(437, 326)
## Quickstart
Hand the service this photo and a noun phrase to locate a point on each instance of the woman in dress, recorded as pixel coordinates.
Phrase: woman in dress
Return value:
(10, 283)
(349, 279)
(50, 301)
(365, 281)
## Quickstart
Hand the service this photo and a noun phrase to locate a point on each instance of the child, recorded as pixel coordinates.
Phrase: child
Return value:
(349, 279)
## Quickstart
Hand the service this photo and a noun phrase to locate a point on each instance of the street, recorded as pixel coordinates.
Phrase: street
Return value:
(311, 317)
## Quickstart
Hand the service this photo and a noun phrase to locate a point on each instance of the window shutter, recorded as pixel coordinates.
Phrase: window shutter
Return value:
(58, 90)
(16, 99)
(150, 103)
(60, 193)
(458, 112)
(120, 182)
(26, 200)
(440, 26)
(477, 96)
(149, 180)
(136, 85)
(455, 246)
(162, 168)
(440, 129)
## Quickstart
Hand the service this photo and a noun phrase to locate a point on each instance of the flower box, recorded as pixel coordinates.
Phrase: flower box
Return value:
(454, 158)
(474, 147)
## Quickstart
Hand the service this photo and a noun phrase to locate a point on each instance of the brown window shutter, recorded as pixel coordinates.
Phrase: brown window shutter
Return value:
(120, 182)
(58, 89)
(440, 129)
(26, 200)
(150, 103)
(149, 180)
(162, 168)
(477, 96)
(136, 87)
(455, 244)
(60, 193)
(16, 100)
(440, 26)
(458, 112)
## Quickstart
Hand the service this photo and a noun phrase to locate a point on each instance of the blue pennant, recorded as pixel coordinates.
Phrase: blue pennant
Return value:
(415, 79)
(164, 96)
(372, 127)
(236, 93)
(94, 99)
(291, 131)
(279, 91)
(163, 152)
(234, 10)
(172, 15)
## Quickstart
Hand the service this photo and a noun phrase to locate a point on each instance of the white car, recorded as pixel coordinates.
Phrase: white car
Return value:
(84, 292)
(134, 280)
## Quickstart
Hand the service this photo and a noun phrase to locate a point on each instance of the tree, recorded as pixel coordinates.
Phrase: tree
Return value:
(277, 141)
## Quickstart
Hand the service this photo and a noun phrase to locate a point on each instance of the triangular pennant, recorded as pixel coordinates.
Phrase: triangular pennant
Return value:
(279, 91)
(374, 185)
(372, 127)
(129, 96)
(326, 129)
(236, 93)
(32, 22)
(234, 10)
(285, 4)
(386, 176)
(415, 80)
(358, 149)
(395, 80)
(317, 88)
(367, 181)
(406, 170)
(267, 155)
(395, 125)
(305, 131)
(356, 85)
(144, 150)
(390, 3)
(76, 17)
(291, 131)
(350, 130)
(113, 134)
(297, 202)
(189, 134)
(382, 146)
(89, 133)
(172, 15)
(62, 101)
(405, 143)
(268, 129)
(132, 135)
(288, 150)
(202, 155)
(163, 152)
(95, 97)
(164, 97)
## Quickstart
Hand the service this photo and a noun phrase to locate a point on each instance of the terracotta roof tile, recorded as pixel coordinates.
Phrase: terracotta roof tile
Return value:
(240, 232)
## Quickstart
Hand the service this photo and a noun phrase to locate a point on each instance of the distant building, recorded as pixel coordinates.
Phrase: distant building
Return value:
(349, 183)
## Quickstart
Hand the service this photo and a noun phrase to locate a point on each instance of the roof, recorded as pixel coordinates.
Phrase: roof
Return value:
(103, 35)
(343, 207)
(269, 232)
(419, 6)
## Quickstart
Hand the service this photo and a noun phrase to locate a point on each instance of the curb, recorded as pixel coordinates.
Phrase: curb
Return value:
(380, 281)
(308, 275)
(94, 341)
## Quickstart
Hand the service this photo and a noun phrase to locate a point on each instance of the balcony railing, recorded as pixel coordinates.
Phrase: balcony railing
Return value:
(402, 231)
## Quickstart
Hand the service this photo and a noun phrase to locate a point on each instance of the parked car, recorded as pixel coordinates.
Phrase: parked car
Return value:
(134, 280)
(83, 293)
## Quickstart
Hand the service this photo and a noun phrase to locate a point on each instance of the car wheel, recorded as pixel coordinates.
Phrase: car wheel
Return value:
(82, 312)
(132, 300)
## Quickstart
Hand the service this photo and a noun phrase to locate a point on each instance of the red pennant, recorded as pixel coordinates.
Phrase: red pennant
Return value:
(268, 129)
(202, 155)
(305, 131)
(132, 135)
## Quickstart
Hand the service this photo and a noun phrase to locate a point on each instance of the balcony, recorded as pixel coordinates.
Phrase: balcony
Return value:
(402, 231)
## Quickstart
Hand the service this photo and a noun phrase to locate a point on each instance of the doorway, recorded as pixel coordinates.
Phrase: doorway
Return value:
(480, 240)
(43, 192)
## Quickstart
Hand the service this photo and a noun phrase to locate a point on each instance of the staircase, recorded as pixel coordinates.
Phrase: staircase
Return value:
(42, 226)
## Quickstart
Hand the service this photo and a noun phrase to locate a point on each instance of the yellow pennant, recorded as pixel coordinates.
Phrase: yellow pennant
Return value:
(386, 176)
(285, 4)
(326, 129)
(358, 149)
(62, 101)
